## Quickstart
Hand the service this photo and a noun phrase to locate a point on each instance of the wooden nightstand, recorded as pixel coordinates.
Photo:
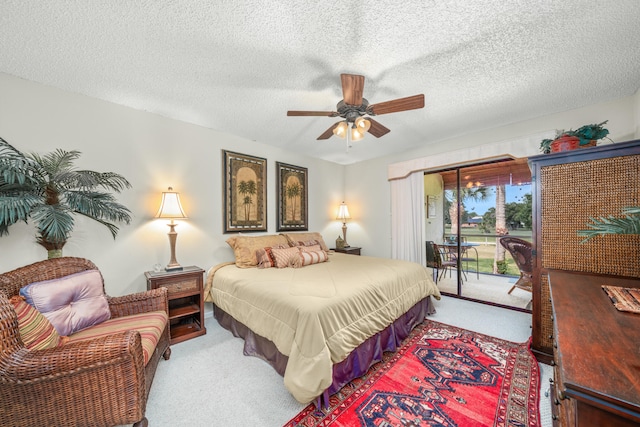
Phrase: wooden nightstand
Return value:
(186, 303)
(351, 250)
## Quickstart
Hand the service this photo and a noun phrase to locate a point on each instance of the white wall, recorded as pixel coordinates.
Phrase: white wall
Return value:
(152, 152)
(366, 183)
(637, 113)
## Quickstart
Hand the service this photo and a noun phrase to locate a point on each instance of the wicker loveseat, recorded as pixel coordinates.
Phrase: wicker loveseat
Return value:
(96, 382)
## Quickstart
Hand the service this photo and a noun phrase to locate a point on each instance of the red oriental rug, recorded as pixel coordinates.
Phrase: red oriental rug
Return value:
(441, 376)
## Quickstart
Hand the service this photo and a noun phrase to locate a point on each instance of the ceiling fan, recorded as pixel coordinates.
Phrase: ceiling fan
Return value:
(354, 109)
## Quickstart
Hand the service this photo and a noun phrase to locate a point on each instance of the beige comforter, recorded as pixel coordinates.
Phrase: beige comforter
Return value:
(317, 314)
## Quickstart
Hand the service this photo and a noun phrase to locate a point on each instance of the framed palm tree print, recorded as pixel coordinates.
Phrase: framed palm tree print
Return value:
(293, 197)
(245, 192)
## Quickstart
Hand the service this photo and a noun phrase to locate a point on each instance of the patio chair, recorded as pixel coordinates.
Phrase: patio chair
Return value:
(466, 255)
(436, 260)
(521, 252)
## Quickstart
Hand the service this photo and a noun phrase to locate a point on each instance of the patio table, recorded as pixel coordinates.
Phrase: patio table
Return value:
(452, 247)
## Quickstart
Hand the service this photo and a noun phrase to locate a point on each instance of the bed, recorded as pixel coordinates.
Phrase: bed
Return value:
(323, 324)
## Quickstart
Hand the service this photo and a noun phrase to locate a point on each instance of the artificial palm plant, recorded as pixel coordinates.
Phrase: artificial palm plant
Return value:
(629, 224)
(49, 190)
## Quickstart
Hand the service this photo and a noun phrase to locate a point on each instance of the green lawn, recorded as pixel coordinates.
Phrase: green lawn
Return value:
(487, 247)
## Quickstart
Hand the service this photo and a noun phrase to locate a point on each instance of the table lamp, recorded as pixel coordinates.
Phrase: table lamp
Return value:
(343, 215)
(171, 208)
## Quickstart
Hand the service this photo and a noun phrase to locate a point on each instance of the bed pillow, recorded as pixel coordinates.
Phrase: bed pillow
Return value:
(36, 332)
(265, 256)
(305, 258)
(245, 247)
(71, 303)
(310, 248)
(295, 239)
(283, 256)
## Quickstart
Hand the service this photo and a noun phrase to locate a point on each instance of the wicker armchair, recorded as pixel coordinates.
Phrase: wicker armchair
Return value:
(99, 382)
(521, 252)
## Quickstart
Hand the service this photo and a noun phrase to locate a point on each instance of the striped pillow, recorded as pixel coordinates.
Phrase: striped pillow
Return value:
(295, 239)
(311, 248)
(308, 257)
(265, 256)
(36, 331)
(282, 256)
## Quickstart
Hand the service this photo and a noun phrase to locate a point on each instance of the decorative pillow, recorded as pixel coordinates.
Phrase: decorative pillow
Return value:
(265, 257)
(36, 331)
(307, 258)
(282, 256)
(71, 303)
(245, 247)
(294, 238)
(310, 248)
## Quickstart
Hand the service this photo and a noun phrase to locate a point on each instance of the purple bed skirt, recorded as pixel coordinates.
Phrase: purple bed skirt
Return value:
(357, 362)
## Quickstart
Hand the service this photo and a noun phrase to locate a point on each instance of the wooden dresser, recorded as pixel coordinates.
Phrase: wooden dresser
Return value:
(568, 189)
(596, 353)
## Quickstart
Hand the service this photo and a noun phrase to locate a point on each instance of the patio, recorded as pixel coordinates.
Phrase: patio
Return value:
(487, 288)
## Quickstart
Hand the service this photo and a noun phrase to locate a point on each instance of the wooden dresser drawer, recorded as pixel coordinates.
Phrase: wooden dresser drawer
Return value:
(187, 285)
(562, 408)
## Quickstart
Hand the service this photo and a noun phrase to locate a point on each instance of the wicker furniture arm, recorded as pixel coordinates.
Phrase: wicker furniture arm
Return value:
(22, 365)
(98, 382)
(142, 302)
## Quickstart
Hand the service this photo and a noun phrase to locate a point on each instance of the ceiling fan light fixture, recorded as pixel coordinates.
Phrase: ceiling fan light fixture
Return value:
(354, 106)
(362, 124)
(356, 134)
(341, 130)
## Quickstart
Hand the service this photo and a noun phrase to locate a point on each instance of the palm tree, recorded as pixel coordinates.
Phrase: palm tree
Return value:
(247, 189)
(501, 226)
(475, 194)
(293, 191)
(49, 190)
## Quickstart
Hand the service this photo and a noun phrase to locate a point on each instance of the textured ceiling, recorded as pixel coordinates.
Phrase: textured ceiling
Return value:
(237, 66)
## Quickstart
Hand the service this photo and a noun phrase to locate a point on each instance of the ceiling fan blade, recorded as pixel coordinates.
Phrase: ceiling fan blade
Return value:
(377, 129)
(329, 132)
(397, 105)
(352, 88)
(312, 113)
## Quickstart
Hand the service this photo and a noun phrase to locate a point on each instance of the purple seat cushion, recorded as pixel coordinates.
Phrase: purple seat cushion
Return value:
(71, 303)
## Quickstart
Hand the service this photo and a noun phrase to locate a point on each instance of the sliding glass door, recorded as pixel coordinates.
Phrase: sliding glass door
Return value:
(468, 210)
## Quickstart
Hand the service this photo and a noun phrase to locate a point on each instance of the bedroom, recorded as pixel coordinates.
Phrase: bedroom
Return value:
(155, 151)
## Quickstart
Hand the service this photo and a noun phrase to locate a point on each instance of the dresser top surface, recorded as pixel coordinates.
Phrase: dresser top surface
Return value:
(598, 346)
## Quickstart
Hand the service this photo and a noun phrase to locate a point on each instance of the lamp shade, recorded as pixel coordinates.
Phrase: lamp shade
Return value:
(170, 206)
(343, 212)
(356, 134)
(362, 124)
(341, 130)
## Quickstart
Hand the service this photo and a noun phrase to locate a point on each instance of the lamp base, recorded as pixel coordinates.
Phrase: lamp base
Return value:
(344, 235)
(173, 263)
